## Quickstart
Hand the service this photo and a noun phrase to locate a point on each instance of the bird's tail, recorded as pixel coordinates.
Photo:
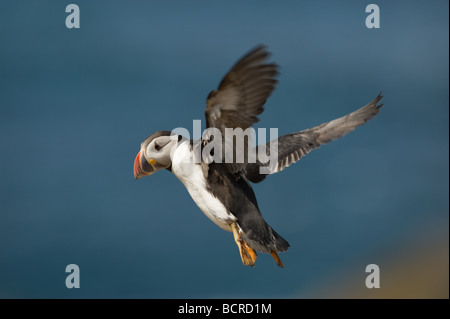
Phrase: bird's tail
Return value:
(271, 242)
(280, 244)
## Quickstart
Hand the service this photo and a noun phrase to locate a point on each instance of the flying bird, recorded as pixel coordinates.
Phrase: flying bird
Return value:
(222, 189)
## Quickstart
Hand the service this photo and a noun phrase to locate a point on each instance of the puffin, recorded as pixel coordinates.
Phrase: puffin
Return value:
(220, 184)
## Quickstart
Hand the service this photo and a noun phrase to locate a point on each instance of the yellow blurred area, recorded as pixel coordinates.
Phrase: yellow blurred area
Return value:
(418, 268)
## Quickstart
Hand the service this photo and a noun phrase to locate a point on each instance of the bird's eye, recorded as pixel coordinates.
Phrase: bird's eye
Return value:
(157, 147)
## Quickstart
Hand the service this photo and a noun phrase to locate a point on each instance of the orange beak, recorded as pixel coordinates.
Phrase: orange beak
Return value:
(138, 173)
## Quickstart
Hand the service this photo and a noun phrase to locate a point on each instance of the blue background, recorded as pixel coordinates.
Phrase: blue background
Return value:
(75, 104)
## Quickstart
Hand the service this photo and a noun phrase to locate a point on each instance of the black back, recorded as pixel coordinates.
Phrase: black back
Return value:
(235, 192)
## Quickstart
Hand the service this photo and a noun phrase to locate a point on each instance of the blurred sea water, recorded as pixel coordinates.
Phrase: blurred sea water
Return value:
(75, 104)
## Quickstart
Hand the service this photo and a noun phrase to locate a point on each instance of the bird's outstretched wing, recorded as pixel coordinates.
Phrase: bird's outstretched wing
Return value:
(292, 147)
(240, 97)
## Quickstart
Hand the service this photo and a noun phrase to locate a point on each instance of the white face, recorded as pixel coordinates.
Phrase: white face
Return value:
(159, 150)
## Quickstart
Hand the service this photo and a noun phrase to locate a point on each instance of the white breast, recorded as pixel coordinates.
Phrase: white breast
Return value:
(191, 175)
